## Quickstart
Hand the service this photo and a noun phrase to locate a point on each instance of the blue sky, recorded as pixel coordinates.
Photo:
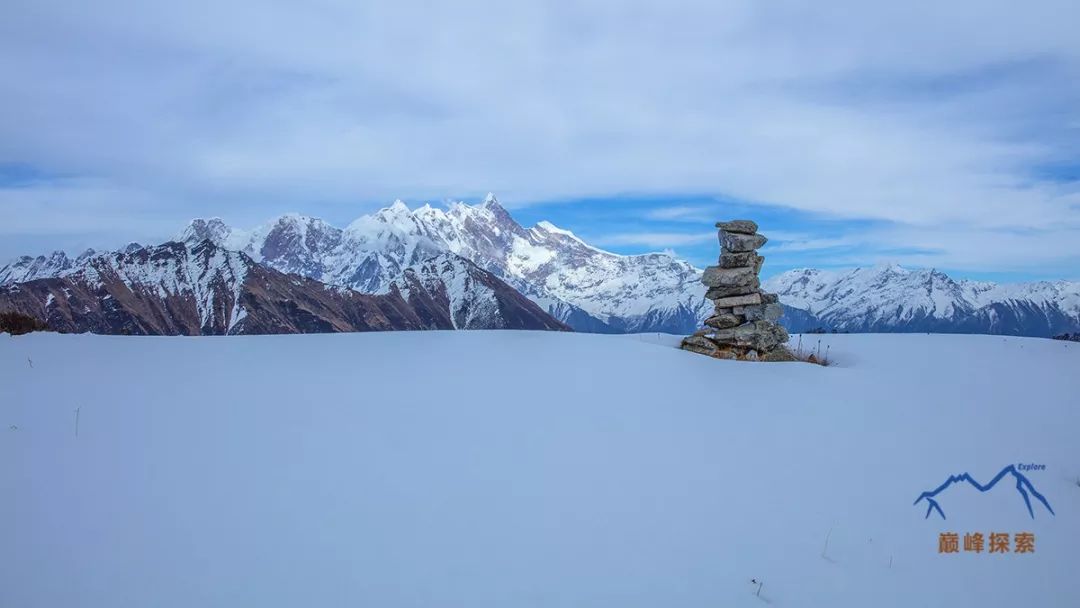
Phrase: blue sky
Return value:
(922, 133)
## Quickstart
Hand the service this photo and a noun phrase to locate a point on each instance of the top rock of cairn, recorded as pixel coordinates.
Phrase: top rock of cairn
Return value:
(744, 324)
(738, 226)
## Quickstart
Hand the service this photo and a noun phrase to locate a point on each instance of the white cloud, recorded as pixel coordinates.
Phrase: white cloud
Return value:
(922, 113)
(682, 213)
(656, 240)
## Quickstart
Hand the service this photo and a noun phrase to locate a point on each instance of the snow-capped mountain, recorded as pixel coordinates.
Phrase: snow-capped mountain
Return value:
(28, 268)
(585, 287)
(177, 288)
(473, 297)
(891, 298)
(171, 289)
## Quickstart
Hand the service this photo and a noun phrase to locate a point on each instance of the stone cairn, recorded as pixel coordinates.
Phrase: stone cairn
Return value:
(744, 325)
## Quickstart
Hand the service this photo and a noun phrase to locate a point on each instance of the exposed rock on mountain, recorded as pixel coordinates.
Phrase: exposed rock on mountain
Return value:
(472, 297)
(205, 289)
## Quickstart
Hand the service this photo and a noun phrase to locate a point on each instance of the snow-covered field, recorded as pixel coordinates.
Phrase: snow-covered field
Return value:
(510, 469)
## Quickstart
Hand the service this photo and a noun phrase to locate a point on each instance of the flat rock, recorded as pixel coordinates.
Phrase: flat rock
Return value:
(715, 276)
(740, 226)
(735, 242)
(724, 321)
(737, 290)
(699, 344)
(744, 300)
(734, 260)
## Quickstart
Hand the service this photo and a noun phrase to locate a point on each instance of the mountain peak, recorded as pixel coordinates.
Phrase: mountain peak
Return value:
(393, 214)
(890, 267)
(200, 229)
(502, 216)
(293, 217)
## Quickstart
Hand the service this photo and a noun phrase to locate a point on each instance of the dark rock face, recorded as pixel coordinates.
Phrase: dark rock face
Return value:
(744, 324)
(205, 290)
(483, 302)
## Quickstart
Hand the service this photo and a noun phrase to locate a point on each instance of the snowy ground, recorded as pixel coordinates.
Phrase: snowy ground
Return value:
(510, 469)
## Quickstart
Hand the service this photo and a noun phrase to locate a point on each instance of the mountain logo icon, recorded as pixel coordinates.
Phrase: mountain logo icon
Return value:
(1023, 486)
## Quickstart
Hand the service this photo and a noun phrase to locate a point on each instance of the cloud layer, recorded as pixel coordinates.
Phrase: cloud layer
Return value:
(953, 124)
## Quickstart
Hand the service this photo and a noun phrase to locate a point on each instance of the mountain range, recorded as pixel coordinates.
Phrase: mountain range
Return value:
(585, 287)
(202, 289)
(889, 298)
(474, 266)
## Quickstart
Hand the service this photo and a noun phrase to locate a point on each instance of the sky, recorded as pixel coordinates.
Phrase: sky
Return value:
(923, 133)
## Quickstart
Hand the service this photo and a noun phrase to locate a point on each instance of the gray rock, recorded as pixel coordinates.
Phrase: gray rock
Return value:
(715, 276)
(759, 264)
(724, 321)
(734, 260)
(740, 226)
(753, 298)
(715, 293)
(769, 298)
(760, 312)
(758, 335)
(734, 242)
(699, 344)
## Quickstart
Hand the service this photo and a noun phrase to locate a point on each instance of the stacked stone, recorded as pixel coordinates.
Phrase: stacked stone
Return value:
(744, 324)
